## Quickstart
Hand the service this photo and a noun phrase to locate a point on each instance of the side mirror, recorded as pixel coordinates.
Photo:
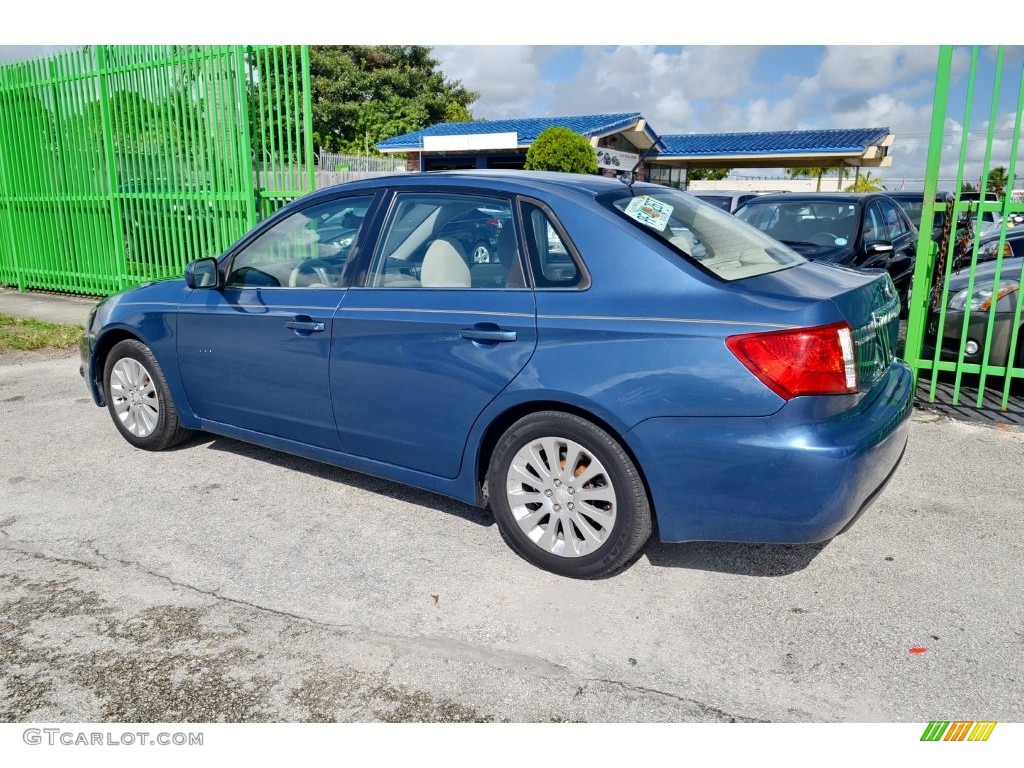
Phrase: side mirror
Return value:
(879, 247)
(202, 273)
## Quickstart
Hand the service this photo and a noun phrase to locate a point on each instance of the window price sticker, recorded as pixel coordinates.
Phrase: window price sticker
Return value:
(647, 210)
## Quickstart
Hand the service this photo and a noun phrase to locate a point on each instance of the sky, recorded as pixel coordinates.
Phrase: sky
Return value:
(731, 81)
(711, 89)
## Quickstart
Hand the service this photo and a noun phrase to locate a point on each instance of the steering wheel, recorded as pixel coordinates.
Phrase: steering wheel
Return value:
(312, 273)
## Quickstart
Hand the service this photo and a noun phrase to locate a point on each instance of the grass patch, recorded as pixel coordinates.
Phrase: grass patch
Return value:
(18, 333)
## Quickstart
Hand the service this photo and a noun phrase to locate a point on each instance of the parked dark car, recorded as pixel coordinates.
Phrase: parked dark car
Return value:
(604, 378)
(726, 199)
(974, 302)
(913, 205)
(477, 231)
(865, 231)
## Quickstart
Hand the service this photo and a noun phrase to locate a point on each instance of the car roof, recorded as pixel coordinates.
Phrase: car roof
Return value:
(507, 180)
(816, 197)
(721, 192)
(1012, 233)
(919, 195)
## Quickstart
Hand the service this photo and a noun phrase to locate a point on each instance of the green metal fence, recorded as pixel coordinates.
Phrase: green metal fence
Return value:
(119, 164)
(970, 337)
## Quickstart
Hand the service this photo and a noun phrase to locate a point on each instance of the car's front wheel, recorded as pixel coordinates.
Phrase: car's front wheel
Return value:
(567, 497)
(138, 398)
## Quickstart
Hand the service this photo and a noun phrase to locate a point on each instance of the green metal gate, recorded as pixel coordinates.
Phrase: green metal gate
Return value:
(119, 164)
(959, 336)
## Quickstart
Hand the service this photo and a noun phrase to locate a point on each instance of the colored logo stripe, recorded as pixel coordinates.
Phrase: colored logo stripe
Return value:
(982, 731)
(958, 730)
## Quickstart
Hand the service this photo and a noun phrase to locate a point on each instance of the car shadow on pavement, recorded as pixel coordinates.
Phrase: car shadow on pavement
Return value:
(769, 560)
(329, 472)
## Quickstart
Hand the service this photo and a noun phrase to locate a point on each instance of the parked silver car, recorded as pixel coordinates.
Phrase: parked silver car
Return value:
(974, 302)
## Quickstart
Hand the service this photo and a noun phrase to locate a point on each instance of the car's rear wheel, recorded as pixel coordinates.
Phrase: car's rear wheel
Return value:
(481, 253)
(567, 497)
(138, 398)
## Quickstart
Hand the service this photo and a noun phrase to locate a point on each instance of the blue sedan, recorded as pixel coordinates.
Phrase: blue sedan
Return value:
(625, 359)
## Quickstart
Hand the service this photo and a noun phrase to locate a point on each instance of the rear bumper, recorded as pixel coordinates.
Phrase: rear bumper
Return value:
(793, 477)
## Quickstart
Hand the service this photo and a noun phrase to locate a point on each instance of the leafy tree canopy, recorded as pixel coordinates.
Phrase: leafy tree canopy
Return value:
(560, 149)
(713, 174)
(367, 93)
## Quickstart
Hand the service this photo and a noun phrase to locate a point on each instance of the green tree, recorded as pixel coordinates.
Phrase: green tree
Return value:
(866, 183)
(714, 174)
(997, 180)
(367, 93)
(968, 187)
(457, 113)
(560, 149)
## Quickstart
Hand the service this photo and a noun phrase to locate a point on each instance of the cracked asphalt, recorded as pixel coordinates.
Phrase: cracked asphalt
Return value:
(224, 582)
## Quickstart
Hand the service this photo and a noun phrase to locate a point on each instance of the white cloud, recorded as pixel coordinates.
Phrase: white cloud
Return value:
(506, 76)
(664, 86)
(876, 67)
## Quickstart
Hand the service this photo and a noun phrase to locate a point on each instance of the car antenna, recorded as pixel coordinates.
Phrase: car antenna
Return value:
(630, 176)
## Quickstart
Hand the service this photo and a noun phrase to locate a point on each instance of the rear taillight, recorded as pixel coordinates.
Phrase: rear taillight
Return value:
(801, 361)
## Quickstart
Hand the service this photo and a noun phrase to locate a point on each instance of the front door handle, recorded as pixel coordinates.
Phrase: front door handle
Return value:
(309, 326)
(487, 334)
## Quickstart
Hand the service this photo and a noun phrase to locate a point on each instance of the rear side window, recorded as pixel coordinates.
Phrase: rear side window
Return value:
(551, 259)
(438, 240)
(716, 240)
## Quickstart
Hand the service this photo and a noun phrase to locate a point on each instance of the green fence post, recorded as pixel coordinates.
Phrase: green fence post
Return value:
(117, 240)
(6, 185)
(307, 118)
(921, 285)
(244, 136)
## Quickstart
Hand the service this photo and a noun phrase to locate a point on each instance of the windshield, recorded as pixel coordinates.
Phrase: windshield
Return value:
(711, 237)
(800, 222)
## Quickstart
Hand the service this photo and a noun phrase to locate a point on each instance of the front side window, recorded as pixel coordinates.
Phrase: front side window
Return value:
(874, 226)
(308, 249)
(720, 242)
(894, 224)
(444, 240)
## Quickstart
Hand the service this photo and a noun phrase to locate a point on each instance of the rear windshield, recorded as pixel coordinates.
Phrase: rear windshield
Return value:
(716, 240)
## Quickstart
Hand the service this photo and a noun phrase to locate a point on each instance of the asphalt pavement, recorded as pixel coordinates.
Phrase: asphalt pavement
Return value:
(221, 581)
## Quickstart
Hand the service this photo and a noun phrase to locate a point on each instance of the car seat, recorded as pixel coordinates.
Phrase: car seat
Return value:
(444, 266)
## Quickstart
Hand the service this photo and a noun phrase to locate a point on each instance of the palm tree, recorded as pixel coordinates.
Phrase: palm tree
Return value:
(798, 172)
(865, 183)
(997, 180)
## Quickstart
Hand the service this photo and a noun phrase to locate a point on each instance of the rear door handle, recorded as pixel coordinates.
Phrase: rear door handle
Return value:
(481, 334)
(304, 325)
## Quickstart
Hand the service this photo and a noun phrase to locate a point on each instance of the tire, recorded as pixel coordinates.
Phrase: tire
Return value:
(138, 398)
(585, 522)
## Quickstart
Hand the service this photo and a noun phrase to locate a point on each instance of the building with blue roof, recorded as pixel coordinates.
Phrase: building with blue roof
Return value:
(622, 138)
